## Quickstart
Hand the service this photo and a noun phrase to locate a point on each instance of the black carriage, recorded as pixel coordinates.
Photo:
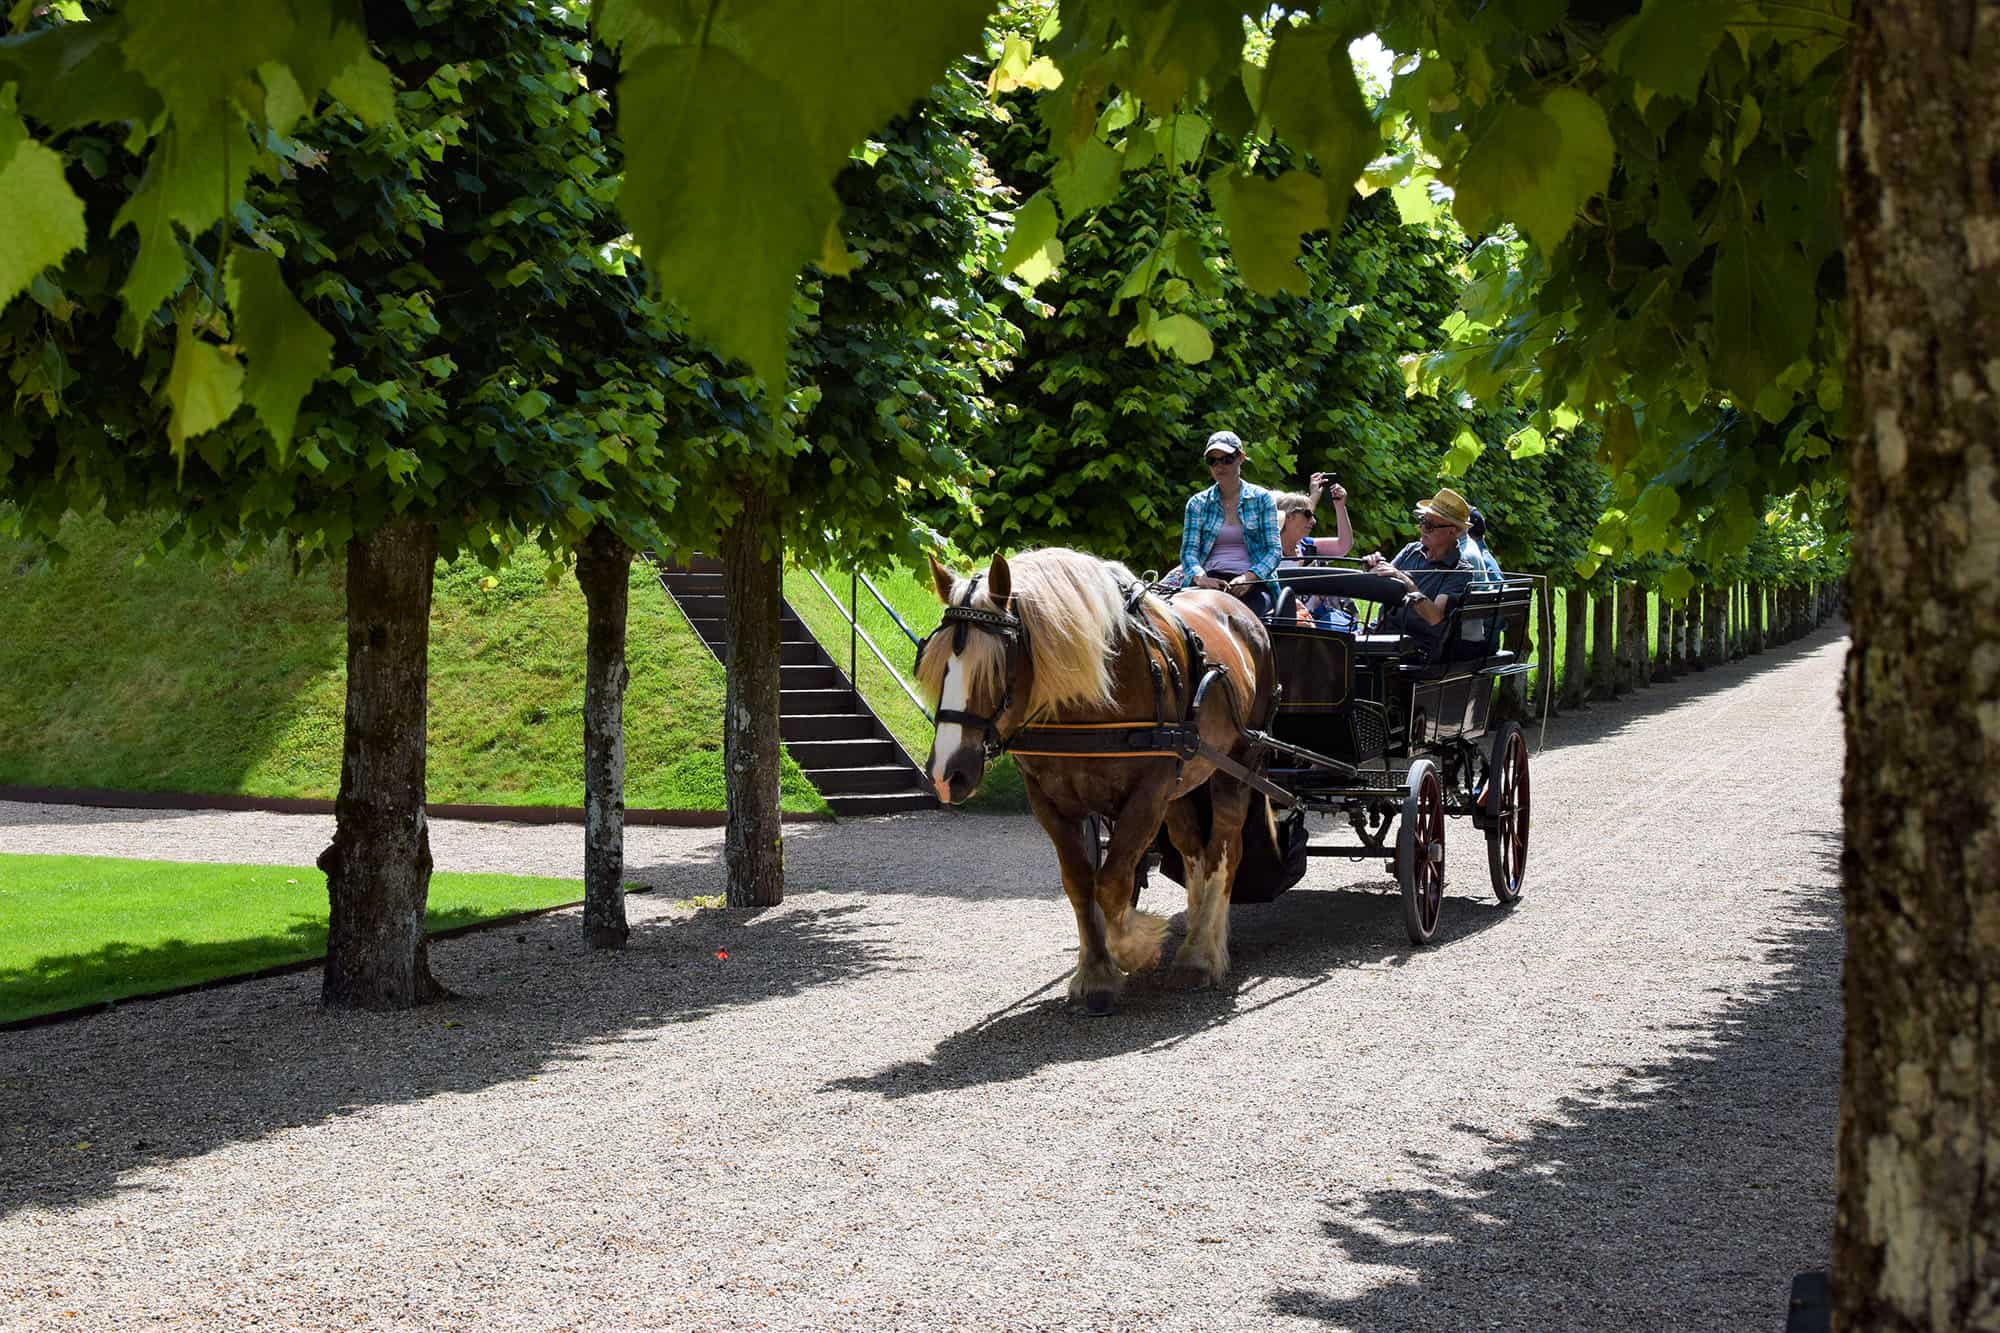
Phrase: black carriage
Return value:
(1394, 733)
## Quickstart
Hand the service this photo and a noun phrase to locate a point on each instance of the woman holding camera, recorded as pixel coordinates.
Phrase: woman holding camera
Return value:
(1229, 533)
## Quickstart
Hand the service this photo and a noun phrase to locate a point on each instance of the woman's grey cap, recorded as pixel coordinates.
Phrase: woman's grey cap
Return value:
(1222, 439)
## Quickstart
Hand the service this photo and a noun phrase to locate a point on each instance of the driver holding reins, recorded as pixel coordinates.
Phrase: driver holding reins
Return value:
(1229, 534)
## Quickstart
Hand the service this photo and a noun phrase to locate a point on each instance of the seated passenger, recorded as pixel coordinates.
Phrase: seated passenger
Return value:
(1475, 543)
(1433, 569)
(1295, 522)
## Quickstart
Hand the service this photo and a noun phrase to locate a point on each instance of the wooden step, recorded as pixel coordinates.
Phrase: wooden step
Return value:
(801, 653)
(826, 727)
(683, 584)
(874, 778)
(861, 805)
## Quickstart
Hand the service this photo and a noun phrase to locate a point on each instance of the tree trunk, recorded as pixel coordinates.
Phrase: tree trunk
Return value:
(753, 843)
(1663, 642)
(378, 868)
(1631, 639)
(1545, 663)
(1576, 667)
(1757, 630)
(1917, 1235)
(603, 571)
(1603, 645)
(1714, 627)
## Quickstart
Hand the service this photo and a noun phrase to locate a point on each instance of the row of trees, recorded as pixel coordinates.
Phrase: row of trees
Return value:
(1673, 286)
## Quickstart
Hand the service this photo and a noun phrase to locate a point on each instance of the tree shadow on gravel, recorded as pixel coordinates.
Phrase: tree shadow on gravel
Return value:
(1278, 951)
(84, 1103)
(1642, 1206)
(1605, 718)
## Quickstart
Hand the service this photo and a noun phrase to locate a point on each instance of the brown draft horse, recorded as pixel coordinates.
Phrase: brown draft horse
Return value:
(1057, 641)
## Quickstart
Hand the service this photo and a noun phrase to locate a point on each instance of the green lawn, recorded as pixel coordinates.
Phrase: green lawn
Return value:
(915, 600)
(182, 675)
(78, 930)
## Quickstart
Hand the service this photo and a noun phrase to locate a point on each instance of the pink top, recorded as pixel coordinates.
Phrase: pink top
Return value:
(1229, 555)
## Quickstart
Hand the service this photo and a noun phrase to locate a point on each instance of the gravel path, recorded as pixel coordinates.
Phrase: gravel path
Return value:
(1612, 1107)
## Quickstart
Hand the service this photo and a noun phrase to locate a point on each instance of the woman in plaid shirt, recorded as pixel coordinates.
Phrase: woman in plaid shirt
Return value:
(1229, 534)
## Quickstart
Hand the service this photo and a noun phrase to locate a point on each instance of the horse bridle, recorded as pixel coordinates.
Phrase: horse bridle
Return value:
(964, 617)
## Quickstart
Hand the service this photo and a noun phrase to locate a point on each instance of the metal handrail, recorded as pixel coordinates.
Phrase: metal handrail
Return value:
(855, 631)
(908, 633)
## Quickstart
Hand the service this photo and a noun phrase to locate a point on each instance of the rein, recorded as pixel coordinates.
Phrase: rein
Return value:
(1179, 740)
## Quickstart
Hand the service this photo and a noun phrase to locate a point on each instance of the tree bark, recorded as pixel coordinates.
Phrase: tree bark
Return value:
(1757, 626)
(1663, 642)
(378, 868)
(603, 571)
(1576, 666)
(1603, 645)
(1545, 664)
(1917, 1230)
(1625, 665)
(1714, 627)
(753, 843)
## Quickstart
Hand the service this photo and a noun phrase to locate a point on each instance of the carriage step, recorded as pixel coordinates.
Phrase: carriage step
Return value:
(825, 726)
(874, 779)
(860, 752)
(862, 805)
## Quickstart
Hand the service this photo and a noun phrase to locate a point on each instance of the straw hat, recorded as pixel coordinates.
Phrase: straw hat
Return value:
(1448, 505)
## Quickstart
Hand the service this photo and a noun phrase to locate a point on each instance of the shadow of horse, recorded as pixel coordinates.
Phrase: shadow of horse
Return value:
(1279, 951)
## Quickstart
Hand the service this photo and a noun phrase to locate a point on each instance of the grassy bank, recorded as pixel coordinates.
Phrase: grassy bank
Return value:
(181, 675)
(84, 929)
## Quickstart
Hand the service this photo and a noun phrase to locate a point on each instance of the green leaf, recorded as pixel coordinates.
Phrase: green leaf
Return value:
(1667, 46)
(365, 88)
(1035, 225)
(193, 51)
(1526, 443)
(1310, 98)
(1536, 166)
(531, 404)
(1086, 178)
(1676, 583)
(1765, 309)
(204, 387)
(1265, 219)
(1185, 337)
(1651, 518)
(1748, 121)
(1413, 200)
(719, 161)
(1464, 452)
(848, 70)
(287, 351)
(44, 217)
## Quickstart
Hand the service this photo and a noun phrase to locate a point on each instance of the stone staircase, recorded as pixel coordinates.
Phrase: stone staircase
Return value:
(833, 736)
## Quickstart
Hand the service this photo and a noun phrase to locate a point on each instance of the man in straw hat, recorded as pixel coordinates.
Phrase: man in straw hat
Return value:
(1433, 569)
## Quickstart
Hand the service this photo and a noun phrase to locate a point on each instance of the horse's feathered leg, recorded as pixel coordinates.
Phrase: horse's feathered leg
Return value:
(1184, 828)
(1134, 936)
(1204, 955)
(1097, 979)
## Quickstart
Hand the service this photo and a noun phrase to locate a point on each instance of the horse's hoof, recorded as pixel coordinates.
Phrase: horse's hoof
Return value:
(1099, 1003)
(1183, 977)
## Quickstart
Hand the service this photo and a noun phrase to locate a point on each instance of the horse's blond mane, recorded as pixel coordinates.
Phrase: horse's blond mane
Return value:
(1073, 606)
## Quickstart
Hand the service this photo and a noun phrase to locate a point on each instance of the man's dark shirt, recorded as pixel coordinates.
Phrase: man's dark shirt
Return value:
(1449, 579)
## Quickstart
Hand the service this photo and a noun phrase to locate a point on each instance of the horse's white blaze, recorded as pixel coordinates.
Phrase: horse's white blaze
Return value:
(948, 733)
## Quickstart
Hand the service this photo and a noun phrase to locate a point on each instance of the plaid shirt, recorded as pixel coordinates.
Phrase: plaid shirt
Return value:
(1257, 509)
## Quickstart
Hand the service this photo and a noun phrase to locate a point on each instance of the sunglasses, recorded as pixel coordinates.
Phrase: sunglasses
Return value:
(1223, 460)
(1432, 525)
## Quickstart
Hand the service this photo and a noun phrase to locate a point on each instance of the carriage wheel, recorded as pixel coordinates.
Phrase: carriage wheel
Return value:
(1507, 812)
(1420, 852)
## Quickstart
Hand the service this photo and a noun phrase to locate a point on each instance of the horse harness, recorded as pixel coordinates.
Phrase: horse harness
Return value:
(1179, 740)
